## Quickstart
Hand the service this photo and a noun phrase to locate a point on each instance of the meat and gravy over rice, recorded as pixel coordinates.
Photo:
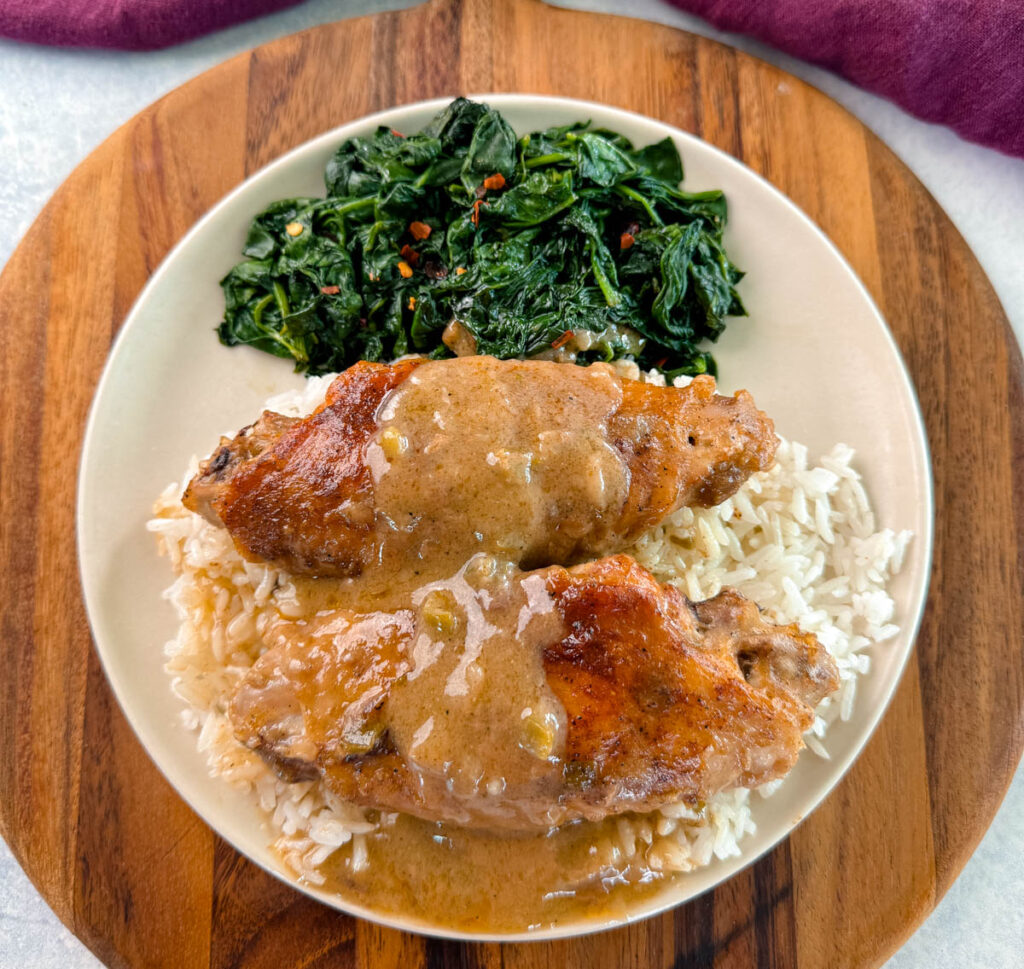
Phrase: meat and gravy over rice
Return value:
(500, 643)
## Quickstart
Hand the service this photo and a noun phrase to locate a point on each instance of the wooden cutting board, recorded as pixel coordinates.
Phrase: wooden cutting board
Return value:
(134, 873)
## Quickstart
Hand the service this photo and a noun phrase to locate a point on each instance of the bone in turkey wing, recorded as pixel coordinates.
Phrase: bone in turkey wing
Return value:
(433, 461)
(536, 698)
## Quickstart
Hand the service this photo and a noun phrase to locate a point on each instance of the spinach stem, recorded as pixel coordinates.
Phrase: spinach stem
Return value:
(357, 205)
(611, 296)
(257, 316)
(257, 310)
(555, 156)
(281, 298)
(637, 197)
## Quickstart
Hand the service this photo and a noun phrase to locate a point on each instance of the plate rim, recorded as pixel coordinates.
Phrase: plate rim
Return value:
(911, 624)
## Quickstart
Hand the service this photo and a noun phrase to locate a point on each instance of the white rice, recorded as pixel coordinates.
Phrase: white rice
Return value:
(799, 539)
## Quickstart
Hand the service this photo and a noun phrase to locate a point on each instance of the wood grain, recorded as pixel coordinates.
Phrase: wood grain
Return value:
(111, 847)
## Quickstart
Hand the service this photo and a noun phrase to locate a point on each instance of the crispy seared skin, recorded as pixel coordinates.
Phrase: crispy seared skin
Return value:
(305, 500)
(672, 700)
(230, 456)
(665, 700)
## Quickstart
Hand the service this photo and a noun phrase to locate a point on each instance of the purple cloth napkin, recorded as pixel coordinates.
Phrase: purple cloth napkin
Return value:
(125, 24)
(955, 62)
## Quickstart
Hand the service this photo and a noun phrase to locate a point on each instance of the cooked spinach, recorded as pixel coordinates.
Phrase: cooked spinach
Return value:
(525, 242)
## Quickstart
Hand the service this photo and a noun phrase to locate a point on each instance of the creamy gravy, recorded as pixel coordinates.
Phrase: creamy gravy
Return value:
(484, 881)
(466, 702)
(475, 708)
(536, 471)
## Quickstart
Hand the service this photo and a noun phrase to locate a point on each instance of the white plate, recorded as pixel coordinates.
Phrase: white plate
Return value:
(815, 352)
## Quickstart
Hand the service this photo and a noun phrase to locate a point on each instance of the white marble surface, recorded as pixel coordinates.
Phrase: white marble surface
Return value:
(55, 106)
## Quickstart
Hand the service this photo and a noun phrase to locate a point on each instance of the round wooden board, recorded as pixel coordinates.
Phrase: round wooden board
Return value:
(112, 848)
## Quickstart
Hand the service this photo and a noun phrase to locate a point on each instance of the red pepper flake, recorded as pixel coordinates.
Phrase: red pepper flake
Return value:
(660, 363)
(397, 134)
(405, 269)
(412, 302)
(330, 290)
(562, 340)
(419, 231)
(495, 181)
(460, 270)
(410, 255)
(626, 240)
(476, 211)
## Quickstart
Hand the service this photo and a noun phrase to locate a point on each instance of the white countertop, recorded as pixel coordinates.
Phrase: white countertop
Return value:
(56, 105)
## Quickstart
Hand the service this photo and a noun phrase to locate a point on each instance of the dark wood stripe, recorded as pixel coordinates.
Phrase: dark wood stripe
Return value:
(260, 923)
(444, 954)
(695, 933)
(774, 920)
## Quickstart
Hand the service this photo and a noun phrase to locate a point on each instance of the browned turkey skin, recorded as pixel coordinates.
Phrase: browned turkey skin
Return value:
(634, 697)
